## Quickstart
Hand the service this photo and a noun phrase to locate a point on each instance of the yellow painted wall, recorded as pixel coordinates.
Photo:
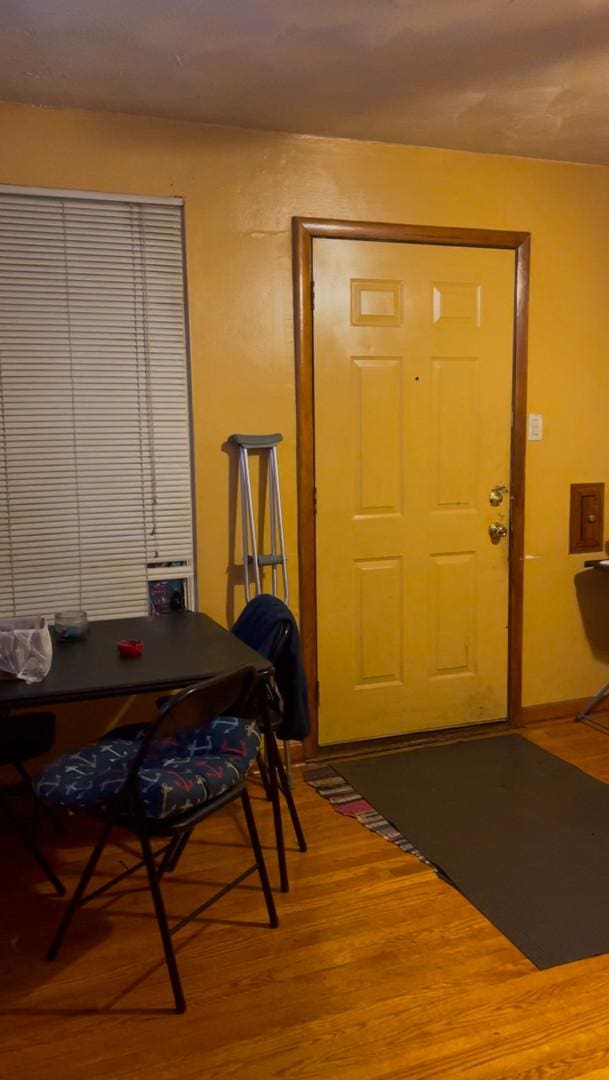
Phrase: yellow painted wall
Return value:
(241, 190)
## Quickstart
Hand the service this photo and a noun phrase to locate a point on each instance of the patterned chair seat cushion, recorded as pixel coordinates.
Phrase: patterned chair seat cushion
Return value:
(178, 774)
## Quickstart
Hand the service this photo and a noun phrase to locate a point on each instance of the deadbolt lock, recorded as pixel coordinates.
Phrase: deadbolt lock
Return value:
(497, 531)
(496, 495)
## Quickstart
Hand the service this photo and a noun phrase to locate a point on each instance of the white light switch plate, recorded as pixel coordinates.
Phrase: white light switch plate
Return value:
(535, 427)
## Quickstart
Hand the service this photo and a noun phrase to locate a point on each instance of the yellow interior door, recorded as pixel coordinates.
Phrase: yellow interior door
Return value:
(413, 396)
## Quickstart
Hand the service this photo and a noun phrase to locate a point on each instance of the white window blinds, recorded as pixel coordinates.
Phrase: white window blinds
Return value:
(95, 457)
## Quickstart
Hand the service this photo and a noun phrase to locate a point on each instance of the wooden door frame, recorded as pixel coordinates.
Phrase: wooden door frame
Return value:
(304, 231)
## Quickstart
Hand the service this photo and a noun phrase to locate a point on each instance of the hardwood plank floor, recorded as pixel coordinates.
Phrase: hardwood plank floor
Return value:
(378, 969)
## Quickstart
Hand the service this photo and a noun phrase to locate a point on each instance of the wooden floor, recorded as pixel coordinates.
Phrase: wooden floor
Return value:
(378, 969)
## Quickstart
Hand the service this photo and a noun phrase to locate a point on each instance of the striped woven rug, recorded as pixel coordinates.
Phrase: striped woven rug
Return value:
(328, 783)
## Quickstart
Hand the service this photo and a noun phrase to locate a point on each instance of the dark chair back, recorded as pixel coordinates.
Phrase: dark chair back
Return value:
(273, 653)
(267, 625)
(279, 642)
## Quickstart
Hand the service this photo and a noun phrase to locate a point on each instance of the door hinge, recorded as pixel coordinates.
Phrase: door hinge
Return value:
(313, 295)
(317, 694)
(315, 500)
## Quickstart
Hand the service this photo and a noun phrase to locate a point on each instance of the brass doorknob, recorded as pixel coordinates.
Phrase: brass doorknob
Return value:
(496, 494)
(497, 531)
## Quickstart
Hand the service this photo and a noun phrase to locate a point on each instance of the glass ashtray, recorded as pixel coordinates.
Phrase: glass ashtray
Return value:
(71, 625)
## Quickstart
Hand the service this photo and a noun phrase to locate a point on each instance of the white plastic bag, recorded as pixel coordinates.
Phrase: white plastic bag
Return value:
(26, 649)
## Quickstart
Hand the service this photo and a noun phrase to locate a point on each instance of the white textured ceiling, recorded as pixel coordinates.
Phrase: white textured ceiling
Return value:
(507, 76)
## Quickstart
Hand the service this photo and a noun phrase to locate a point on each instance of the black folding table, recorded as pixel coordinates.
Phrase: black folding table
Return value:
(180, 648)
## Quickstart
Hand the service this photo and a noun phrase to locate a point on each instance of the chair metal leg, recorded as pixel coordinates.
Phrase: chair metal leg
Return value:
(179, 850)
(284, 784)
(79, 891)
(38, 806)
(259, 857)
(275, 800)
(288, 762)
(264, 774)
(163, 866)
(32, 848)
(173, 854)
(161, 918)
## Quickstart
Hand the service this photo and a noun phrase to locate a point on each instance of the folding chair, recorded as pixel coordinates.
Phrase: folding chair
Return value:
(267, 625)
(272, 770)
(163, 784)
